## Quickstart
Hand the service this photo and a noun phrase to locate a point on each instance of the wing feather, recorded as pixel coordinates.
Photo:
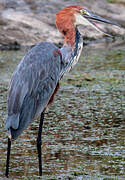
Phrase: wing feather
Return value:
(32, 85)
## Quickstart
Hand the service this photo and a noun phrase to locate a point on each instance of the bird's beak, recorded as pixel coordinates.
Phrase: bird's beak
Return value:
(92, 18)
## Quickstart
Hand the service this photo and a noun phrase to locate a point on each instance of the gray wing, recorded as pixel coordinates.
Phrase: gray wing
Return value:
(32, 85)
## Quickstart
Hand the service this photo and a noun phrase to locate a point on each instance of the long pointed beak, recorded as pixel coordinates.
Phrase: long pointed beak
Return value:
(92, 18)
(98, 18)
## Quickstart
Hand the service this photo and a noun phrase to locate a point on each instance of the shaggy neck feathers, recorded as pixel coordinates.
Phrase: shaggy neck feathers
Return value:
(65, 22)
(73, 43)
(70, 55)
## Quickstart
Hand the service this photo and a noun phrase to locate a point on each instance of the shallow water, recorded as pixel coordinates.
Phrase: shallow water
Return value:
(83, 133)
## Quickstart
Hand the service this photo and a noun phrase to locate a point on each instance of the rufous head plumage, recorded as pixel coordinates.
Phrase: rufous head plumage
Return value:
(70, 17)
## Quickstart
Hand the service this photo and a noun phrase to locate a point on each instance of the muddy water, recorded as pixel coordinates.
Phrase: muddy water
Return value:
(84, 130)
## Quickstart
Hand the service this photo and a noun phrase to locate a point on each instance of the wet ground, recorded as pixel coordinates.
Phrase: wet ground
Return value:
(84, 130)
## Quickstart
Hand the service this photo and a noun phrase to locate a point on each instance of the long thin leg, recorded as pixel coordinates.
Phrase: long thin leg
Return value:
(8, 158)
(39, 142)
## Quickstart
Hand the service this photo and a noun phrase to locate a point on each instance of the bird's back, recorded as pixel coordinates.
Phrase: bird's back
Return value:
(32, 85)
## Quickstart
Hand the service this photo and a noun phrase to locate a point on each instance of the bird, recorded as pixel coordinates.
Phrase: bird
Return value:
(36, 79)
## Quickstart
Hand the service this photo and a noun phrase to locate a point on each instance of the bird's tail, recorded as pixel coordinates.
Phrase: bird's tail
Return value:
(12, 122)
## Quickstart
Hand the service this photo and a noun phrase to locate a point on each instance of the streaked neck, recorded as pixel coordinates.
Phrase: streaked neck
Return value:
(71, 52)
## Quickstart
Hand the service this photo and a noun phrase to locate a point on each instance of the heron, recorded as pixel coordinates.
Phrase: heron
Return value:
(35, 80)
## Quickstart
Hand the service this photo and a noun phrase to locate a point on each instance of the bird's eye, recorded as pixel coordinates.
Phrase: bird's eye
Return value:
(84, 12)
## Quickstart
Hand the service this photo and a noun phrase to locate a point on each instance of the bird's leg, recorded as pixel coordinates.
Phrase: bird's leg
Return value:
(39, 142)
(8, 157)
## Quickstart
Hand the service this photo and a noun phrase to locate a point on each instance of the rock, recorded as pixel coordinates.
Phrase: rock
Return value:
(27, 22)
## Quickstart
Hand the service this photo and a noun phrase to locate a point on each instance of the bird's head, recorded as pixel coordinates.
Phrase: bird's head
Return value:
(72, 16)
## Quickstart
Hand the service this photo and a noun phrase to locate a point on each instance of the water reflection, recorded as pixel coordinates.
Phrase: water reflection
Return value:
(84, 129)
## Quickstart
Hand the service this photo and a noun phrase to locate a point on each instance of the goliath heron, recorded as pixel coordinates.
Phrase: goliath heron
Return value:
(36, 78)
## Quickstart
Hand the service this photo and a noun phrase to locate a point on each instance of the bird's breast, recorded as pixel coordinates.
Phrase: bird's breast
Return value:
(54, 93)
(78, 53)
